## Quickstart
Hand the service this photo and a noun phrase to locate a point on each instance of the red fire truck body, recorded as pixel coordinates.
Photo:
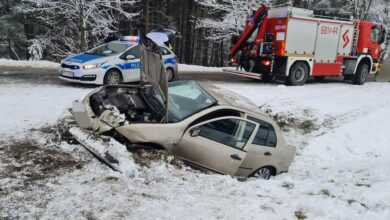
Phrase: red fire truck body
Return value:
(294, 44)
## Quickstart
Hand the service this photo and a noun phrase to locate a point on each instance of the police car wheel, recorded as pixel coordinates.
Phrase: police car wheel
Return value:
(113, 77)
(170, 74)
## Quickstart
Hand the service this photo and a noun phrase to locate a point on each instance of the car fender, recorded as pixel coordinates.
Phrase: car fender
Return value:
(166, 135)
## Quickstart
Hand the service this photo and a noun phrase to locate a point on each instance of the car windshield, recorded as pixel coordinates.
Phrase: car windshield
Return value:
(109, 49)
(186, 98)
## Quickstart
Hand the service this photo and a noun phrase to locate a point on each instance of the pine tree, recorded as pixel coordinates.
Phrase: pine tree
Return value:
(11, 28)
(72, 26)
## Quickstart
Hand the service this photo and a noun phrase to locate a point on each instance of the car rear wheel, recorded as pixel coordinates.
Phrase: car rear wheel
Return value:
(170, 74)
(113, 77)
(264, 173)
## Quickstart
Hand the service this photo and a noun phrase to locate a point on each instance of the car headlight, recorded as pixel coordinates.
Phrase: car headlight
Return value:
(93, 66)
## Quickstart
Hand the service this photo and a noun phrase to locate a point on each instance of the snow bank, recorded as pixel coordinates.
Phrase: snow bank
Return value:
(116, 150)
(340, 170)
(25, 106)
(195, 68)
(30, 64)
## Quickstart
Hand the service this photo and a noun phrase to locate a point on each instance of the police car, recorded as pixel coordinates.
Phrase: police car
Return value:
(112, 63)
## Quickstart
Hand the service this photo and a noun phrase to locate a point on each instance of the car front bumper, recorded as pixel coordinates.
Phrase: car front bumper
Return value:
(93, 76)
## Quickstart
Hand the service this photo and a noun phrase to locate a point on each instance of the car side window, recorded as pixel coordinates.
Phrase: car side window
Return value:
(266, 135)
(135, 51)
(217, 114)
(164, 51)
(231, 132)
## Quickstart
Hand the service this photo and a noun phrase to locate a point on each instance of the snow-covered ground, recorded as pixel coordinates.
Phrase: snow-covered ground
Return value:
(30, 64)
(341, 170)
(196, 68)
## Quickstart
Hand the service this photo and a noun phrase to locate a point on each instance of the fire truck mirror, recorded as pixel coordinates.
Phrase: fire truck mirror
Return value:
(382, 36)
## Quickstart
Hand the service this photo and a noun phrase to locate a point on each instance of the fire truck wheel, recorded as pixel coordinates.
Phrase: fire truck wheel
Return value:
(298, 74)
(361, 74)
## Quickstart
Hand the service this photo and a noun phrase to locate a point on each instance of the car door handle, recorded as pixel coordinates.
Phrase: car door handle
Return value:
(235, 156)
(267, 153)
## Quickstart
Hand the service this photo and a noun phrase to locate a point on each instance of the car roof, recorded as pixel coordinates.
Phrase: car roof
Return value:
(228, 98)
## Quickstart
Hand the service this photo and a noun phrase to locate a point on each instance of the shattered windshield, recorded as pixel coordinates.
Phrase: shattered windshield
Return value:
(109, 49)
(186, 98)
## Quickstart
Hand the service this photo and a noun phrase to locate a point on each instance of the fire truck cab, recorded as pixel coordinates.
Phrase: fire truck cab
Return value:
(294, 44)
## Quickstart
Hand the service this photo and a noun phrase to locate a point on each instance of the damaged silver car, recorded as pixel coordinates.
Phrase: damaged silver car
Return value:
(203, 125)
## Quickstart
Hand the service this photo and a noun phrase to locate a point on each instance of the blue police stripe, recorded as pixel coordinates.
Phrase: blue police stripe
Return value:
(127, 66)
(170, 61)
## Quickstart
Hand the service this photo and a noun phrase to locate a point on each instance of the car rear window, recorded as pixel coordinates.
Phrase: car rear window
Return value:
(266, 135)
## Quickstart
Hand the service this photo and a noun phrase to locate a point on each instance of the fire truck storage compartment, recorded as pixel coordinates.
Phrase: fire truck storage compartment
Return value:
(349, 66)
(321, 38)
(301, 35)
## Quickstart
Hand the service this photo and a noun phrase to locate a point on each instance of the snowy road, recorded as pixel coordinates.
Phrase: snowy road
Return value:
(341, 170)
(50, 77)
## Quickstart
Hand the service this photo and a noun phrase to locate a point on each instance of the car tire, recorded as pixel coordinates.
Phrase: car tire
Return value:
(264, 172)
(113, 77)
(170, 74)
(299, 73)
(361, 74)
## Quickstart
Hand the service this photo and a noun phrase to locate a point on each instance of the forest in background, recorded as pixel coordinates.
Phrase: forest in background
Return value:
(55, 29)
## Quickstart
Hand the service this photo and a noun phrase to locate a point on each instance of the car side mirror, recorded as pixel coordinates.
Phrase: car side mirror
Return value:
(195, 132)
(130, 57)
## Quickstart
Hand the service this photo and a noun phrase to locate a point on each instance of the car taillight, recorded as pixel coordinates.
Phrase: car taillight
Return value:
(233, 60)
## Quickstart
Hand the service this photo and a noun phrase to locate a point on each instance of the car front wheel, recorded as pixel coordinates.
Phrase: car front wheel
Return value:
(113, 77)
(170, 74)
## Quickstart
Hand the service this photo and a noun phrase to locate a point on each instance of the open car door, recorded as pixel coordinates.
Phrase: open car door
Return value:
(152, 68)
(162, 35)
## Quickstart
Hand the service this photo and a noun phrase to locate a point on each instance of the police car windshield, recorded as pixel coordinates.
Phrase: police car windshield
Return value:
(109, 49)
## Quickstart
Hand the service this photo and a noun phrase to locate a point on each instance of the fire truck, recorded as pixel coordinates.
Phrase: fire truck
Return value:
(294, 44)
